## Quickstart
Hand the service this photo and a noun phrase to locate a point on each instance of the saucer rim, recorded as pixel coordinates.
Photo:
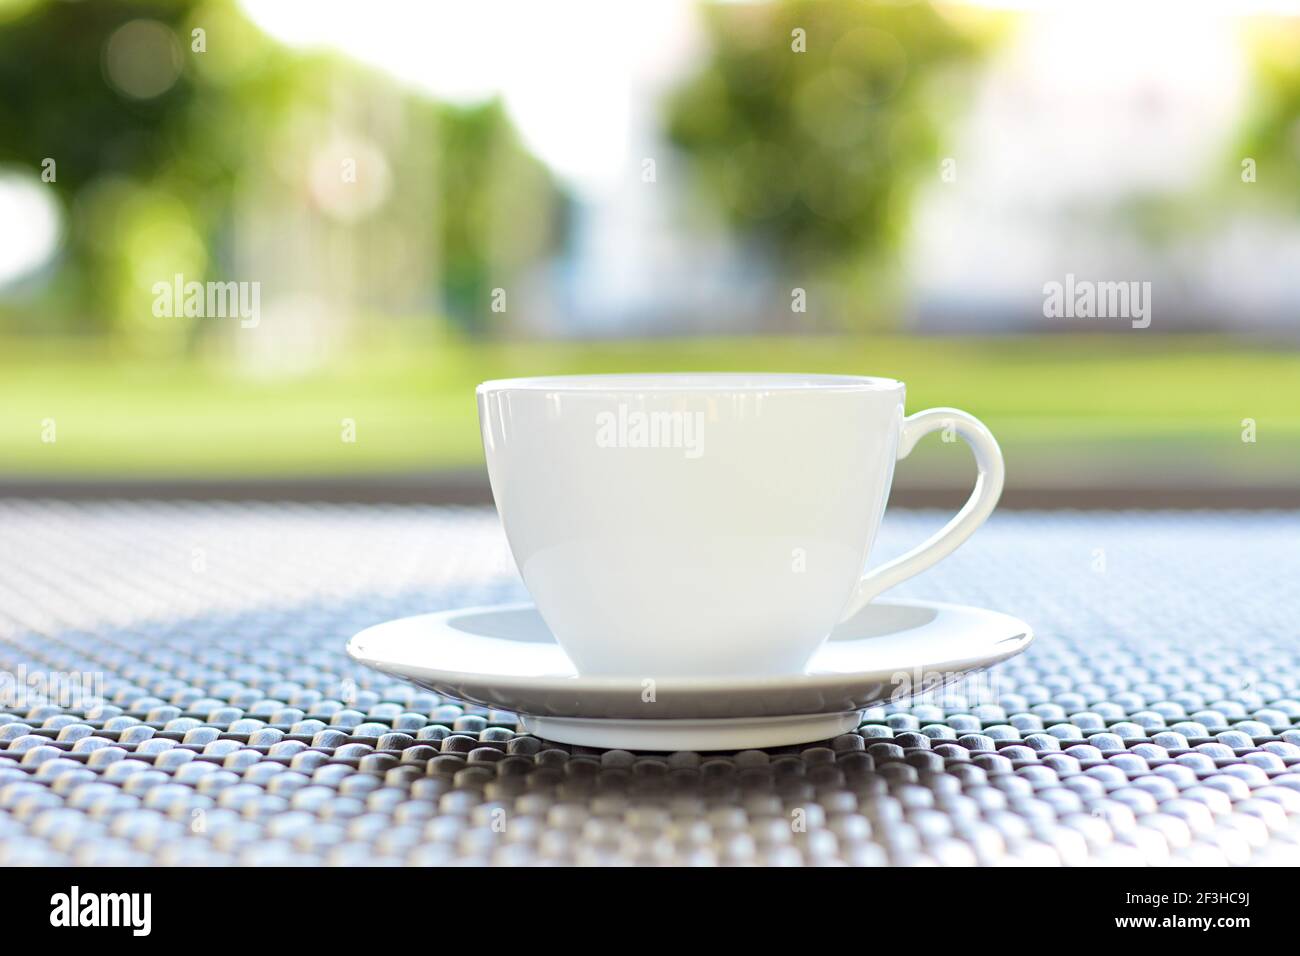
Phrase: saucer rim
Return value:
(1014, 643)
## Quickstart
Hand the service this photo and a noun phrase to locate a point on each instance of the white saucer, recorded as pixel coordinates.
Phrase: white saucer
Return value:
(505, 658)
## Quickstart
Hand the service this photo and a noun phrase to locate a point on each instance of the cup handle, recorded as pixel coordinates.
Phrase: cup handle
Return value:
(980, 504)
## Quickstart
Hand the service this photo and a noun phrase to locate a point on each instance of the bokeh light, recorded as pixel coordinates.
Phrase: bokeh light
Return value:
(350, 178)
(142, 59)
(30, 224)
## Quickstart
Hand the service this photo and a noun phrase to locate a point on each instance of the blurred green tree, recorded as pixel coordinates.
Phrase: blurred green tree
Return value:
(55, 104)
(173, 159)
(1268, 153)
(501, 209)
(811, 124)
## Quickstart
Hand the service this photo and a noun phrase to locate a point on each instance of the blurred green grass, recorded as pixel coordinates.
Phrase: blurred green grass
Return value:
(1144, 410)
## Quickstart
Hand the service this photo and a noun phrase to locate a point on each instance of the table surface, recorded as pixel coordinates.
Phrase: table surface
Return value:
(174, 690)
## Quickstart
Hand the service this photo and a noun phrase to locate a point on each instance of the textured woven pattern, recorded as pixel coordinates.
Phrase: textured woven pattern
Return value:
(176, 691)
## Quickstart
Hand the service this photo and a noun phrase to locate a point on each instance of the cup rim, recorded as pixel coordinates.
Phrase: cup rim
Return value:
(692, 382)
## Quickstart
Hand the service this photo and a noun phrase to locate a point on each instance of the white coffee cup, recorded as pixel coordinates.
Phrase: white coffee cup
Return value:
(708, 524)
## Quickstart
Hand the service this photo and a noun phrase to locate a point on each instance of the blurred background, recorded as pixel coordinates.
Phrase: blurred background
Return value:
(397, 200)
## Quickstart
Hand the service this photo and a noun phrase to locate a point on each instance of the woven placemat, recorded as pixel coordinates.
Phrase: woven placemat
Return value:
(174, 690)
